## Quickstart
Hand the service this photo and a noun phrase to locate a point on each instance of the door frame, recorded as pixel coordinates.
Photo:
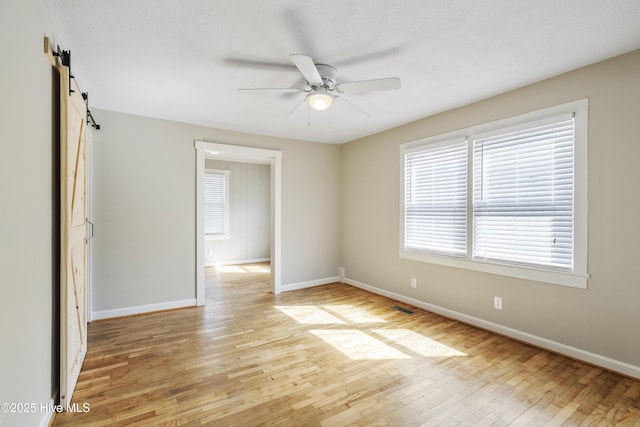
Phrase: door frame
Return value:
(237, 153)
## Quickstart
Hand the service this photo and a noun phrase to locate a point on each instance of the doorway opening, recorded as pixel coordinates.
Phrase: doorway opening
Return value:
(244, 283)
(231, 153)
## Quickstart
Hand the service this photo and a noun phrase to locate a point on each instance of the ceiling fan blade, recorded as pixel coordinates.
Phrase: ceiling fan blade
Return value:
(272, 89)
(307, 68)
(363, 113)
(389, 83)
(295, 109)
(382, 53)
(257, 64)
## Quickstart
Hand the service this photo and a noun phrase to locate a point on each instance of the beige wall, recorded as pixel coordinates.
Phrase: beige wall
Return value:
(331, 194)
(602, 319)
(27, 364)
(144, 208)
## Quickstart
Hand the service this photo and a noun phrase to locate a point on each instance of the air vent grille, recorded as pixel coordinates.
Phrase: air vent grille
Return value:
(402, 309)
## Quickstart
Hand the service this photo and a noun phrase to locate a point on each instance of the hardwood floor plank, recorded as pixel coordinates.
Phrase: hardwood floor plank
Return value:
(331, 355)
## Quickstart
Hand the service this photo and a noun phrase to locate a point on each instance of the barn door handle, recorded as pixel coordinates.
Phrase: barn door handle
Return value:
(91, 224)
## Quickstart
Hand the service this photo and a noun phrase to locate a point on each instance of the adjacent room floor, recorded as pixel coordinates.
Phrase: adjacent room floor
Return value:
(331, 355)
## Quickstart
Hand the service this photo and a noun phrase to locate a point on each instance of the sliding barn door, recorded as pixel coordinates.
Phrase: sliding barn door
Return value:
(73, 280)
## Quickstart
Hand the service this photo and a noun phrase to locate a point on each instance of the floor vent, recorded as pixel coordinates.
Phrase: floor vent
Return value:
(402, 309)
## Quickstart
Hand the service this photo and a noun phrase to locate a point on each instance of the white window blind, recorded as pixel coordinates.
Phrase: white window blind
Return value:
(215, 203)
(523, 192)
(436, 199)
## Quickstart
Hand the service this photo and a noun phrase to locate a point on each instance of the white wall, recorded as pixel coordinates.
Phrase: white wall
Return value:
(28, 365)
(601, 319)
(249, 215)
(144, 209)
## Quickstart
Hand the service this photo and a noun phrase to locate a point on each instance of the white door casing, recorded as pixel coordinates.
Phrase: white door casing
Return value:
(239, 154)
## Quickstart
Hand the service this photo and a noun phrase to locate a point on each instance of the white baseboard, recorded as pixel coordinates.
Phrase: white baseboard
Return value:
(48, 415)
(309, 284)
(576, 353)
(242, 261)
(128, 311)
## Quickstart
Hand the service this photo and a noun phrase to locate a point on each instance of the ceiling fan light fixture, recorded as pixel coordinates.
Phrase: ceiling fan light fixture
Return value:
(320, 100)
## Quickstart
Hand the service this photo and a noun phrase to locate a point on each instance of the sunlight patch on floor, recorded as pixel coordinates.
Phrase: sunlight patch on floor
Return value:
(418, 343)
(309, 315)
(242, 268)
(354, 314)
(359, 346)
(257, 269)
(229, 269)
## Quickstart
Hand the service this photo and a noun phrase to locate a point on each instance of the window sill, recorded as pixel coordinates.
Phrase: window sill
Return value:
(573, 280)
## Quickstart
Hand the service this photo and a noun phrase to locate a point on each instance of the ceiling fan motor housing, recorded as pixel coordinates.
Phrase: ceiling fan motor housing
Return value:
(328, 74)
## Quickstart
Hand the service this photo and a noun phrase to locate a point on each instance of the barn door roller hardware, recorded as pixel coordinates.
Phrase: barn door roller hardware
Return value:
(90, 119)
(65, 59)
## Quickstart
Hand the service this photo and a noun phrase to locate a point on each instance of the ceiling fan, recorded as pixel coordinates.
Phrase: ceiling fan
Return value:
(321, 88)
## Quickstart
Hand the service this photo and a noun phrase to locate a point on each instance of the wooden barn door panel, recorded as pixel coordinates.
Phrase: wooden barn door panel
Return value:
(73, 310)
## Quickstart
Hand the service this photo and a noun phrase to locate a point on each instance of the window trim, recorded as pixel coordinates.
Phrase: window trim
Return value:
(226, 235)
(578, 277)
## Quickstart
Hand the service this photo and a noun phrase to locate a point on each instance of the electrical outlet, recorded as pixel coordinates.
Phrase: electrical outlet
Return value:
(413, 282)
(497, 303)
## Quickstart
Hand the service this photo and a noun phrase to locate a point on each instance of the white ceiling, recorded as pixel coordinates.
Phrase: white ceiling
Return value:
(184, 60)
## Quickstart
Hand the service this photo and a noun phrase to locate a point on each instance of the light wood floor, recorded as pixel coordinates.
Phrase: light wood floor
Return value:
(332, 355)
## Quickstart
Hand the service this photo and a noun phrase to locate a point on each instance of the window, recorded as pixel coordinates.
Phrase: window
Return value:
(507, 197)
(436, 198)
(523, 195)
(216, 204)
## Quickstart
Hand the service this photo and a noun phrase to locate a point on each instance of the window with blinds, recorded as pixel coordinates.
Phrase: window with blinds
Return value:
(523, 195)
(216, 203)
(436, 198)
(507, 197)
